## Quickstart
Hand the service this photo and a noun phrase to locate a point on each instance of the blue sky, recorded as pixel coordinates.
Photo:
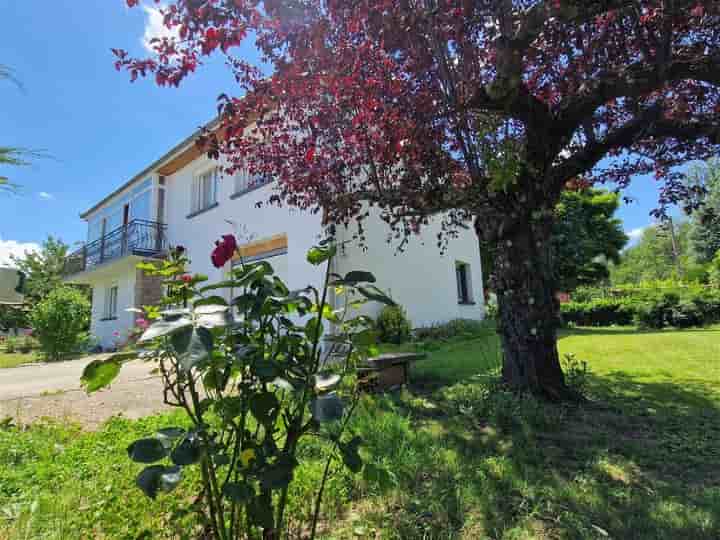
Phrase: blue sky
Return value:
(98, 128)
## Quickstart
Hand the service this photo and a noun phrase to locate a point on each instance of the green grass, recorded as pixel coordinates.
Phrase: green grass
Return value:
(466, 459)
(8, 360)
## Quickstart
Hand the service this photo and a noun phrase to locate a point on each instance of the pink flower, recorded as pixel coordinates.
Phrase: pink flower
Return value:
(116, 333)
(142, 323)
(224, 250)
(187, 278)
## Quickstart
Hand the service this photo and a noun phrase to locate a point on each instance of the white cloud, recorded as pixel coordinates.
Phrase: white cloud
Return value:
(45, 195)
(635, 235)
(11, 247)
(154, 27)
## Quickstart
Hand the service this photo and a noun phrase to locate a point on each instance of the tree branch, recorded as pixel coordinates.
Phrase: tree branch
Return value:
(635, 81)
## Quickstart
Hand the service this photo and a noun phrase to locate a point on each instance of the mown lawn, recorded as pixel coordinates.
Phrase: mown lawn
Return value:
(467, 460)
(15, 359)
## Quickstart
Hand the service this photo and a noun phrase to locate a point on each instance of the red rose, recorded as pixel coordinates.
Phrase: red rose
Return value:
(224, 250)
(187, 278)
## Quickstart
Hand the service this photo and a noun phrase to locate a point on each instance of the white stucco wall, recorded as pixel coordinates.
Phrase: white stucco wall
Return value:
(241, 217)
(420, 278)
(123, 275)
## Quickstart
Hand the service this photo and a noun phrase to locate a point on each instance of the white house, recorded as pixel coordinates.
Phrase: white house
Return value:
(183, 199)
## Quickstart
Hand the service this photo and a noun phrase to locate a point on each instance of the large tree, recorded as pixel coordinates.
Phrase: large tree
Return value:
(481, 110)
(43, 269)
(586, 238)
(705, 222)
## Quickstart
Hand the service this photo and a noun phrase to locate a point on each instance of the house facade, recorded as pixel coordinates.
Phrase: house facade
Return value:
(184, 199)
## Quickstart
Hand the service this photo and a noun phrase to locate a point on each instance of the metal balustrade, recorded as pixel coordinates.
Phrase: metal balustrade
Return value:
(138, 237)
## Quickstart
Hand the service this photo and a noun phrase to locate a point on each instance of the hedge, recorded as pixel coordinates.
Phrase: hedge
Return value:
(698, 308)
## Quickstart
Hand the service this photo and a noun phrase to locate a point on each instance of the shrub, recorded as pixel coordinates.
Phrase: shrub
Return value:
(600, 312)
(453, 328)
(60, 321)
(681, 308)
(11, 344)
(251, 382)
(393, 325)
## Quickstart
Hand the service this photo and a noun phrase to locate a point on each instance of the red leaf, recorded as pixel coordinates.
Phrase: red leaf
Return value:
(310, 154)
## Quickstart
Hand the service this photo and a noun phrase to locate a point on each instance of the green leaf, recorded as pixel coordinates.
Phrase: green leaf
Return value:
(188, 451)
(99, 374)
(170, 478)
(180, 340)
(351, 456)
(314, 328)
(167, 436)
(238, 492)
(210, 301)
(146, 451)
(326, 381)
(158, 478)
(355, 277)
(318, 255)
(279, 474)
(327, 407)
(199, 347)
(214, 316)
(379, 476)
(373, 293)
(229, 284)
(260, 513)
(165, 327)
(264, 407)
(365, 338)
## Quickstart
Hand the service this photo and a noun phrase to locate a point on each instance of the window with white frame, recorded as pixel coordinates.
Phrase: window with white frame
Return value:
(111, 299)
(204, 190)
(245, 181)
(464, 283)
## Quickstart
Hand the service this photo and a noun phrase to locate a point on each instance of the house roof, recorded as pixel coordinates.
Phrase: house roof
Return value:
(175, 153)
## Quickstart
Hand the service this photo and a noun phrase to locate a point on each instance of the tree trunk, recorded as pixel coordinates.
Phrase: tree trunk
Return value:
(528, 311)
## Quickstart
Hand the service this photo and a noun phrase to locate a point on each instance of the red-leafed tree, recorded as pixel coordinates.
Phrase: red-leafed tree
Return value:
(481, 110)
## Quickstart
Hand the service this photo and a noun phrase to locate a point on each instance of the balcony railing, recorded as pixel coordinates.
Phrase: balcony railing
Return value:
(138, 237)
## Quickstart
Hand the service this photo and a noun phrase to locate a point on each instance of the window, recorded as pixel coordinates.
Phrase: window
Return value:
(244, 181)
(464, 287)
(204, 191)
(111, 297)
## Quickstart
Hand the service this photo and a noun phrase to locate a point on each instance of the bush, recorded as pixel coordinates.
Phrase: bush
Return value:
(11, 344)
(393, 325)
(600, 312)
(60, 321)
(453, 328)
(681, 308)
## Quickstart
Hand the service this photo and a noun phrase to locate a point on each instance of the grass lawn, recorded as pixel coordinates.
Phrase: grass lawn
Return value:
(466, 460)
(15, 359)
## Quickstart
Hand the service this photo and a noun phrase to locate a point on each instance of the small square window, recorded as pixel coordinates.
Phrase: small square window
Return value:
(464, 285)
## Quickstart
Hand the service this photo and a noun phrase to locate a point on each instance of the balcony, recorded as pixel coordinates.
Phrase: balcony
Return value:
(139, 237)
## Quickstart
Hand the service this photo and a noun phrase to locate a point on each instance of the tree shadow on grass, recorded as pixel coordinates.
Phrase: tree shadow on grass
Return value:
(641, 460)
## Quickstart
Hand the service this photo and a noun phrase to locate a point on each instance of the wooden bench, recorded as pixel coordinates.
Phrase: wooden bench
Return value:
(387, 371)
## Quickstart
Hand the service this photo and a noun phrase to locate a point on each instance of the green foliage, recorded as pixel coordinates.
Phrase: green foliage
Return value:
(705, 222)
(663, 252)
(449, 463)
(393, 324)
(649, 305)
(250, 380)
(43, 269)
(60, 321)
(599, 312)
(586, 237)
(453, 329)
(714, 271)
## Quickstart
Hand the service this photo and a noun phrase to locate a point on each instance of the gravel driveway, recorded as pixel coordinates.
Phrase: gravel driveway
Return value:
(53, 390)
